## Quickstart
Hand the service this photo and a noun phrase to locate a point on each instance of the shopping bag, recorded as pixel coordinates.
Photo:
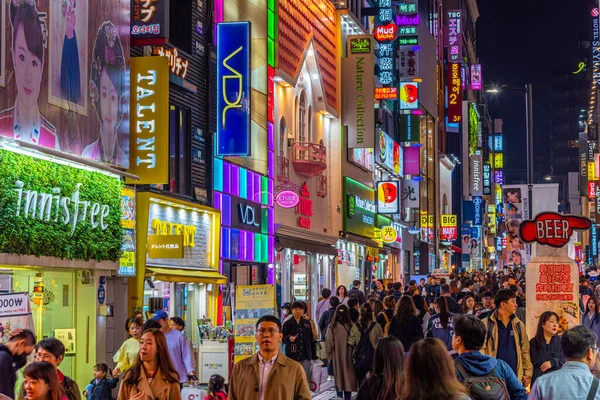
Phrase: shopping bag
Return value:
(193, 393)
(321, 353)
(318, 376)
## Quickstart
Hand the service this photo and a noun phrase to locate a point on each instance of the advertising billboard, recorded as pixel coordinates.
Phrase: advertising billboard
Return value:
(409, 95)
(454, 93)
(388, 197)
(359, 208)
(476, 79)
(233, 89)
(412, 160)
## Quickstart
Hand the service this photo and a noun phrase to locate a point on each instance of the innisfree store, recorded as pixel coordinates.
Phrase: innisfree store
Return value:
(60, 243)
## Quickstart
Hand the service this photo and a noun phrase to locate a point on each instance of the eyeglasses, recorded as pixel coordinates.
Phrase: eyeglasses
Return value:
(596, 349)
(267, 332)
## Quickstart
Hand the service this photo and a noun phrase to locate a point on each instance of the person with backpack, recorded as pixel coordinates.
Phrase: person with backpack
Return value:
(363, 338)
(506, 336)
(440, 324)
(387, 380)
(478, 371)
(385, 317)
(340, 352)
(546, 353)
(405, 325)
(574, 380)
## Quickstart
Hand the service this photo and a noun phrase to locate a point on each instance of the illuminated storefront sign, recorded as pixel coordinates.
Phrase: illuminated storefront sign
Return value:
(389, 154)
(149, 22)
(426, 221)
(409, 126)
(389, 234)
(454, 93)
(580, 67)
(304, 208)
(408, 67)
(388, 197)
(385, 33)
(149, 129)
(475, 176)
(476, 79)
(412, 159)
(409, 95)
(477, 210)
(386, 93)
(408, 41)
(595, 48)
(448, 227)
(408, 20)
(233, 89)
(592, 189)
(454, 36)
(498, 143)
(359, 206)
(498, 160)
(287, 199)
(499, 177)
(178, 65)
(487, 179)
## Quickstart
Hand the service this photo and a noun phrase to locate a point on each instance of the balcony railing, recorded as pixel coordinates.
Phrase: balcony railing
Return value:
(309, 159)
(283, 168)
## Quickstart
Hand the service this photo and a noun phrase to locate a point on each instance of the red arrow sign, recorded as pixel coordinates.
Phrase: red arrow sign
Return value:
(552, 229)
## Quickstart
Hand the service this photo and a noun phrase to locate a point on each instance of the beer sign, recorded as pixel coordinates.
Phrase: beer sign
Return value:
(552, 229)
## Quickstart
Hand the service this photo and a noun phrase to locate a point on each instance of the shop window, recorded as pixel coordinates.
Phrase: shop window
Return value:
(180, 24)
(302, 135)
(179, 150)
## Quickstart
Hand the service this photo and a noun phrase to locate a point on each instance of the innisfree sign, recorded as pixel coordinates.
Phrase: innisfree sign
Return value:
(552, 229)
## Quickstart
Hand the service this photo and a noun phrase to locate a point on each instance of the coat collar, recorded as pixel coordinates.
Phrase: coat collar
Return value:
(281, 359)
(158, 385)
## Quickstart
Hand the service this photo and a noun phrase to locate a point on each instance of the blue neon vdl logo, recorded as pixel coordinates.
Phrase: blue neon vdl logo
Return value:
(233, 89)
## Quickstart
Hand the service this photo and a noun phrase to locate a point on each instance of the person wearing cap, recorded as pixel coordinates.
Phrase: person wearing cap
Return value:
(356, 292)
(179, 350)
(487, 305)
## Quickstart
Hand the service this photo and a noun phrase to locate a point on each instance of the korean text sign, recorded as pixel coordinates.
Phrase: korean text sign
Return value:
(454, 93)
(149, 22)
(233, 89)
(454, 36)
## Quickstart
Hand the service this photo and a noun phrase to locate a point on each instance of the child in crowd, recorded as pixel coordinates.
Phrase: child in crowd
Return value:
(216, 388)
(126, 355)
(100, 388)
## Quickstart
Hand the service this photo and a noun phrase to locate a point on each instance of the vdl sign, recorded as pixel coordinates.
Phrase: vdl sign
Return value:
(233, 89)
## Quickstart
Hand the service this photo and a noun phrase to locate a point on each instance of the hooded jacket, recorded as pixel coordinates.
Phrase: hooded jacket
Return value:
(478, 364)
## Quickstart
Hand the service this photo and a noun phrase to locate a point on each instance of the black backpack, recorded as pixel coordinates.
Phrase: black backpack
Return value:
(362, 356)
(484, 387)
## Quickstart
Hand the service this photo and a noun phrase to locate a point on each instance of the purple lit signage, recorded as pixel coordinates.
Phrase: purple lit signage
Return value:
(412, 160)
(476, 81)
(454, 35)
(408, 20)
(287, 199)
(499, 177)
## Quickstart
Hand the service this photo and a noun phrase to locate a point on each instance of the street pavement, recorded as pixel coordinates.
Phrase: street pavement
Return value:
(328, 392)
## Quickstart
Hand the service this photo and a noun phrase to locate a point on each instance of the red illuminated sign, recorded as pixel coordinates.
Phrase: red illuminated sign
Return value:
(454, 93)
(304, 208)
(552, 229)
(592, 189)
(385, 33)
(386, 93)
(449, 233)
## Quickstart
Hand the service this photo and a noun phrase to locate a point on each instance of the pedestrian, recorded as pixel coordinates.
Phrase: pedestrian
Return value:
(454, 290)
(353, 307)
(100, 388)
(432, 290)
(268, 374)
(136, 314)
(286, 311)
(328, 316)
(41, 382)
(487, 305)
(179, 348)
(128, 352)
(153, 375)
(506, 337)
(422, 311)
(376, 305)
(323, 305)
(397, 291)
(362, 354)
(178, 324)
(340, 352)
(574, 380)
(468, 304)
(430, 373)
(423, 287)
(380, 291)
(13, 356)
(150, 324)
(520, 313)
(298, 338)
(52, 350)
(384, 318)
(387, 380)
(591, 317)
(355, 291)
(440, 324)
(453, 306)
(405, 325)
(467, 341)
(545, 350)
(342, 293)
(216, 388)
(467, 288)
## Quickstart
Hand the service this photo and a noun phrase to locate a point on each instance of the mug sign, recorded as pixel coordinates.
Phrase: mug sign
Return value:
(552, 229)
(287, 199)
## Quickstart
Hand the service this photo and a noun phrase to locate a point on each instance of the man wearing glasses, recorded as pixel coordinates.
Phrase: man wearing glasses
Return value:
(574, 380)
(268, 374)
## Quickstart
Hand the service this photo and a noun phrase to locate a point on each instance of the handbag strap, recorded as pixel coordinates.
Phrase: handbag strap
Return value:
(592, 394)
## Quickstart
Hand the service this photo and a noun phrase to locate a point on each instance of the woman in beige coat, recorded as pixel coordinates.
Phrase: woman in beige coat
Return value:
(153, 376)
(338, 350)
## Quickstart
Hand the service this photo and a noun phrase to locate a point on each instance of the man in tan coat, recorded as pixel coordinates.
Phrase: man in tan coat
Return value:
(268, 374)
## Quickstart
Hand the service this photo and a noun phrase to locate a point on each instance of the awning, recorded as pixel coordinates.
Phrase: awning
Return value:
(306, 245)
(186, 275)
(456, 249)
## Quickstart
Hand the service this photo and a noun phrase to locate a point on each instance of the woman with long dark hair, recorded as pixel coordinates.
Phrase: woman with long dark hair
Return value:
(422, 312)
(153, 374)
(41, 382)
(430, 374)
(440, 324)
(405, 325)
(546, 352)
(591, 317)
(338, 350)
(342, 293)
(387, 379)
(365, 325)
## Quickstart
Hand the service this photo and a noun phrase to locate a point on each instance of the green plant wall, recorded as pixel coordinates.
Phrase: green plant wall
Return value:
(50, 235)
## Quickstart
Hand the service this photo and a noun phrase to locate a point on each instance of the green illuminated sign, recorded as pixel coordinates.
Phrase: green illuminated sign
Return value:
(406, 8)
(408, 41)
(360, 46)
(407, 30)
(359, 206)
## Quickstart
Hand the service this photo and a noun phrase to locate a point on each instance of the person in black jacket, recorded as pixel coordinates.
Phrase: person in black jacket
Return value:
(298, 337)
(13, 356)
(388, 312)
(328, 316)
(355, 291)
(353, 309)
(100, 388)
(453, 306)
(387, 379)
(545, 349)
(405, 325)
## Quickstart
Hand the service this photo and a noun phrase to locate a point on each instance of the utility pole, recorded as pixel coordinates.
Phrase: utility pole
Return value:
(529, 120)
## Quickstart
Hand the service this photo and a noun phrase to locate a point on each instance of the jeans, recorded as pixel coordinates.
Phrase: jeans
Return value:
(346, 395)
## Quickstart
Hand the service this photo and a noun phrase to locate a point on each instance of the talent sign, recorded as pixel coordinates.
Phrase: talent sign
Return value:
(149, 131)
(476, 80)
(358, 102)
(385, 33)
(165, 246)
(454, 93)
(552, 229)
(251, 303)
(388, 196)
(409, 95)
(449, 227)
(233, 89)
(388, 234)
(149, 22)
(454, 36)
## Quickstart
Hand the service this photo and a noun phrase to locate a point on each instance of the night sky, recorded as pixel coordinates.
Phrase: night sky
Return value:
(518, 42)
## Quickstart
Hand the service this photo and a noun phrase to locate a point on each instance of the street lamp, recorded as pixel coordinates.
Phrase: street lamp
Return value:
(529, 125)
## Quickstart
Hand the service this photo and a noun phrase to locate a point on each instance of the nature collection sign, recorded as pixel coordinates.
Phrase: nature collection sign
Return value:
(51, 209)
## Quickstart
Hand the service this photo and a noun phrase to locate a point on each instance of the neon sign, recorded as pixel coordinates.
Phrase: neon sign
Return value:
(580, 68)
(233, 89)
(454, 36)
(385, 32)
(304, 208)
(178, 65)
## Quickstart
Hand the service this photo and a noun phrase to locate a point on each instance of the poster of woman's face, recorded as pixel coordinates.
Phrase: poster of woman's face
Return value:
(46, 99)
